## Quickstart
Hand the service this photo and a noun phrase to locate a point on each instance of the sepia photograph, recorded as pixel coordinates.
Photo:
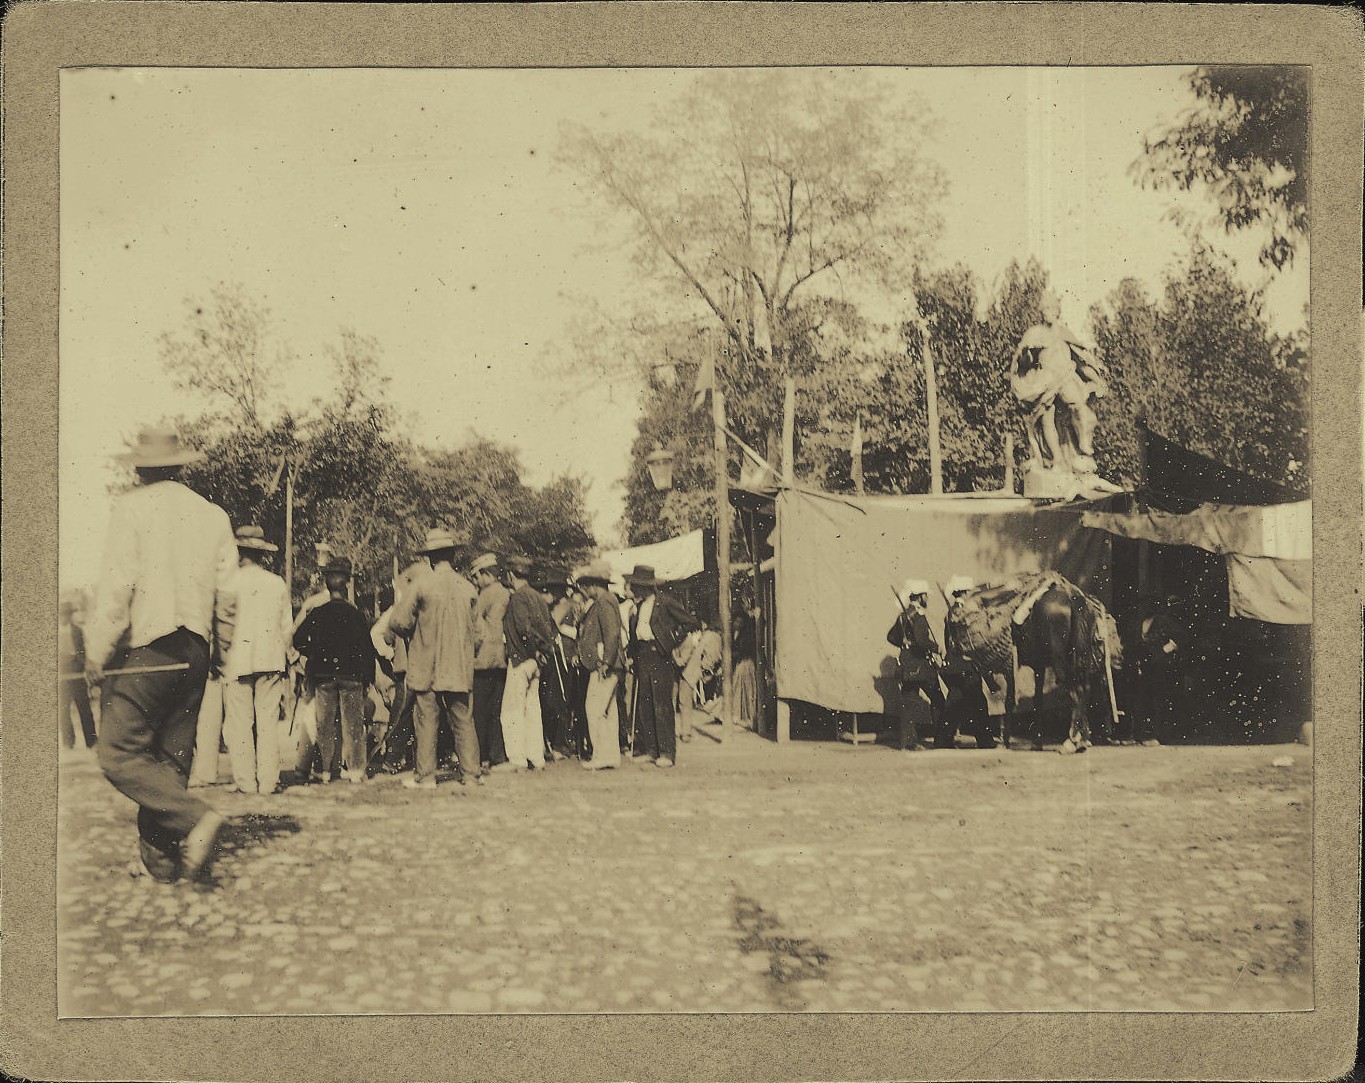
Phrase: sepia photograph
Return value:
(684, 540)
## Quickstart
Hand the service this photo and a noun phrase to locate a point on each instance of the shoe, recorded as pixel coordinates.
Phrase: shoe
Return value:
(164, 868)
(198, 850)
(319, 779)
(636, 757)
(353, 776)
(1151, 742)
(233, 787)
(663, 761)
(413, 784)
(1070, 747)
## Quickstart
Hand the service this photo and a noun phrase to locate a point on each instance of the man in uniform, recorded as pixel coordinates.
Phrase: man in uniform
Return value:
(162, 602)
(918, 661)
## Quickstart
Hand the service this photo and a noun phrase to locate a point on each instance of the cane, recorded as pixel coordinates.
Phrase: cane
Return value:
(634, 704)
(173, 668)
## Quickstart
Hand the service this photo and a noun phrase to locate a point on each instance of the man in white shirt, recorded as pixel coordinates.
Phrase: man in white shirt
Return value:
(253, 670)
(162, 600)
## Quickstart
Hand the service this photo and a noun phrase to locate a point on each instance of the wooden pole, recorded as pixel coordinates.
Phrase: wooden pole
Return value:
(789, 433)
(723, 518)
(289, 532)
(931, 395)
(856, 452)
(1009, 462)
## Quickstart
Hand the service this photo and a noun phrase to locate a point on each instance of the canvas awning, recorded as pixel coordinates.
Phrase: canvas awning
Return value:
(1268, 550)
(839, 559)
(673, 559)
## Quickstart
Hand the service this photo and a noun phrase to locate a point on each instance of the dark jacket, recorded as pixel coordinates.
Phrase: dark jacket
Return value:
(670, 622)
(527, 627)
(336, 641)
(917, 648)
(601, 626)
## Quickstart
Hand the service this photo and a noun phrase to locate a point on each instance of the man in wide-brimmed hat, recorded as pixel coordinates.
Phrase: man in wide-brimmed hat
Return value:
(335, 639)
(530, 636)
(437, 619)
(601, 654)
(490, 658)
(659, 626)
(918, 663)
(253, 670)
(162, 605)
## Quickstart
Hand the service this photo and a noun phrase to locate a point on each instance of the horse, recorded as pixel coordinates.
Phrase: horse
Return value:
(1063, 630)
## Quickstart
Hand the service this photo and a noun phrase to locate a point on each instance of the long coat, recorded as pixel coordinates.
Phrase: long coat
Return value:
(436, 616)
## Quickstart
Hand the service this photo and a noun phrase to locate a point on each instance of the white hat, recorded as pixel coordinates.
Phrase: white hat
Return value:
(957, 584)
(913, 587)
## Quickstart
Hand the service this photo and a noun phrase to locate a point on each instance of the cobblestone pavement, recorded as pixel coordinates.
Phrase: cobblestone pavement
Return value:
(752, 877)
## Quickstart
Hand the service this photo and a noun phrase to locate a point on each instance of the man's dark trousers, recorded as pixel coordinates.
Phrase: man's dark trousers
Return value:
(74, 693)
(654, 722)
(147, 727)
(488, 686)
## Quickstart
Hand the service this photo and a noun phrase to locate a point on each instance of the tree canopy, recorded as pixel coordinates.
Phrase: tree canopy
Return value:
(359, 485)
(1246, 141)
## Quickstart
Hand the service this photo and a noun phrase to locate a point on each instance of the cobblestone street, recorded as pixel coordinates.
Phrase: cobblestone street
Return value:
(807, 877)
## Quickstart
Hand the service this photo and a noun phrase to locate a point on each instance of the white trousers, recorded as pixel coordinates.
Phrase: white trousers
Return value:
(207, 734)
(604, 729)
(522, 734)
(254, 702)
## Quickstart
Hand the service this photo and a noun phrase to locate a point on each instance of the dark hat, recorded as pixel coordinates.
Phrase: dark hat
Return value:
(599, 571)
(159, 446)
(643, 576)
(253, 537)
(338, 566)
(550, 576)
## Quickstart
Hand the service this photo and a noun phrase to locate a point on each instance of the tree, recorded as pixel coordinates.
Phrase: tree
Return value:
(767, 186)
(1204, 369)
(1246, 141)
(226, 353)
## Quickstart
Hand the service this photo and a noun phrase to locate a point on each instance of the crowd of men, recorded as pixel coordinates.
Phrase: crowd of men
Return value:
(192, 639)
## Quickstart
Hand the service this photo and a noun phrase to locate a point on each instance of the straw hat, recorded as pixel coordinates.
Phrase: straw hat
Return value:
(485, 563)
(438, 538)
(253, 537)
(159, 446)
(913, 588)
(599, 571)
(958, 584)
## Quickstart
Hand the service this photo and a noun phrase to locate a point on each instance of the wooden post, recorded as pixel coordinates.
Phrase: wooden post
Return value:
(1009, 462)
(856, 453)
(931, 395)
(289, 532)
(789, 433)
(723, 518)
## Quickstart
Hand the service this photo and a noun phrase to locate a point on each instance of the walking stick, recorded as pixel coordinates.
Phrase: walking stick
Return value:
(171, 668)
(1109, 680)
(634, 704)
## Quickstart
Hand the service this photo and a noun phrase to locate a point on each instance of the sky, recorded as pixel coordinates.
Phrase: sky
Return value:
(428, 209)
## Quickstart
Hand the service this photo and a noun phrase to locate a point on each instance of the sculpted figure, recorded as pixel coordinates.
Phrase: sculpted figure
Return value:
(1051, 364)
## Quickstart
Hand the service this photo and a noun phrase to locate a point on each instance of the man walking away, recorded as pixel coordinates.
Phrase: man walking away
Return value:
(253, 671)
(490, 659)
(162, 601)
(336, 641)
(602, 656)
(437, 618)
(71, 684)
(530, 635)
(658, 628)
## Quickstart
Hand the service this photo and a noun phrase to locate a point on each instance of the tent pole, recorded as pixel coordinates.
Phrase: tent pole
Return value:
(723, 517)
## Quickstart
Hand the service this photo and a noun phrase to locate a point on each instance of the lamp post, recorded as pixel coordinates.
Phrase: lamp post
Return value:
(660, 464)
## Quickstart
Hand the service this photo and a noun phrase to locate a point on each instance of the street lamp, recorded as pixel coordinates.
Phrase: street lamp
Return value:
(660, 463)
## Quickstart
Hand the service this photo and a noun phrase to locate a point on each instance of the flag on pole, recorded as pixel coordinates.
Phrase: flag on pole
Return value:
(706, 380)
(275, 481)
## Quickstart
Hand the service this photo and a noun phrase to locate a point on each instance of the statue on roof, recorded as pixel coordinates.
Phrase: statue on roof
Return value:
(1051, 364)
